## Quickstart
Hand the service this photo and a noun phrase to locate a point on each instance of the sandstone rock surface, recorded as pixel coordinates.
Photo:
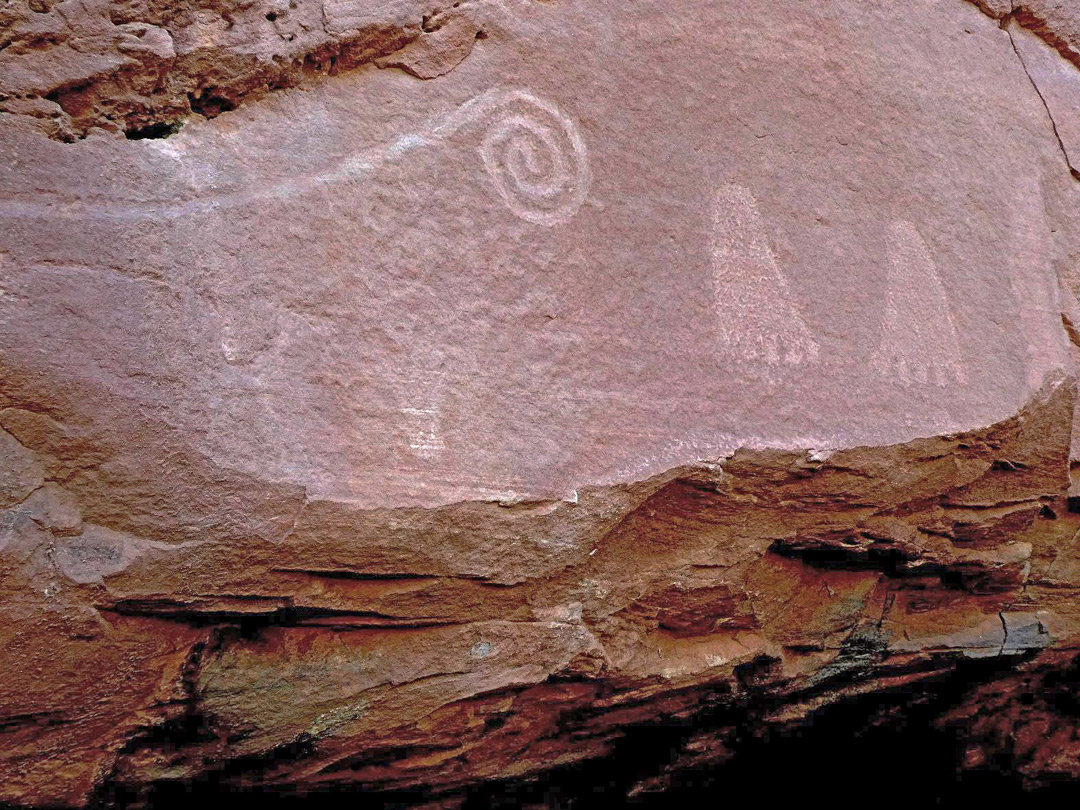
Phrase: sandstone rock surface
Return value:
(425, 396)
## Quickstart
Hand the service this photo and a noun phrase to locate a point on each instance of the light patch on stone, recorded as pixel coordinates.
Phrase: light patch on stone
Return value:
(423, 429)
(1039, 305)
(168, 147)
(407, 142)
(99, 552)
(55, 508)
(326, 722)
(480, 650)
(93, 555)
(1023, 631)
(20, 470)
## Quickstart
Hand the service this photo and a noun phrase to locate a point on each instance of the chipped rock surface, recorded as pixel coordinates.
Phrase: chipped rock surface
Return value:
(417, 397)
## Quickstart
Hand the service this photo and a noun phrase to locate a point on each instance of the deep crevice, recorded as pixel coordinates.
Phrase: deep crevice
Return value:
(160, 130)
(1053, 124)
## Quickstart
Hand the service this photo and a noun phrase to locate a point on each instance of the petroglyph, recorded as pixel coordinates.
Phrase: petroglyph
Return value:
(533, 154)
(1039, 307)
(536, 159)
(918, 340)
(755, 312)
(423, 427)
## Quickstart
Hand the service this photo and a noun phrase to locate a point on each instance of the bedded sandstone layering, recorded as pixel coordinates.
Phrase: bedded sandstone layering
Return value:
(432, 398)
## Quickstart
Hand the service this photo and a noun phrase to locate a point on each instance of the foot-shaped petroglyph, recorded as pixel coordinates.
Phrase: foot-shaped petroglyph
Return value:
(755, 312)
(918, 337)
(534, 156)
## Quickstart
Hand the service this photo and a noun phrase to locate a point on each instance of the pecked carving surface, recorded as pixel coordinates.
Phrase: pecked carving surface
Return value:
(427, 397)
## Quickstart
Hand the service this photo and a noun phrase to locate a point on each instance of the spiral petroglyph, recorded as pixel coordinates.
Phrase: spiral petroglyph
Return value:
(536, 159)
(534, 155)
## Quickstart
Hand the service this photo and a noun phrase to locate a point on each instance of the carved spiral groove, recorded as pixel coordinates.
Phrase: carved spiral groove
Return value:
(536, 159)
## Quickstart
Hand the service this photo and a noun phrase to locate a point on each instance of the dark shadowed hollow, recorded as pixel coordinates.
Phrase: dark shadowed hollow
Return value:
(882, 748)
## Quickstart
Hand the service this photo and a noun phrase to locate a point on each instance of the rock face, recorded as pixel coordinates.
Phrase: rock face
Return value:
(423, 397)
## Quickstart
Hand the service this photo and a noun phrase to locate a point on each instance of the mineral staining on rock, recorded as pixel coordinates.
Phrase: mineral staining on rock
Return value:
(459, 388)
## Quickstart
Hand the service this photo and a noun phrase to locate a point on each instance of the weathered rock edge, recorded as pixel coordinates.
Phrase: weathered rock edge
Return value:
(434, 650)
(143, 68)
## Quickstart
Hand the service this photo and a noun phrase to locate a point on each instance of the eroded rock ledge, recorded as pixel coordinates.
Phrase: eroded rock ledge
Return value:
(144, 67)
(751, 592)
(296, 406)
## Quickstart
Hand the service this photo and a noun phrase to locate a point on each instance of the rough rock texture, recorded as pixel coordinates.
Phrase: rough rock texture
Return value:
(142, 67)
(489, 382)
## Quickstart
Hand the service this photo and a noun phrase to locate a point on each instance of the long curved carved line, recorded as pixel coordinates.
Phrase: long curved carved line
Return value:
(353, 167)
